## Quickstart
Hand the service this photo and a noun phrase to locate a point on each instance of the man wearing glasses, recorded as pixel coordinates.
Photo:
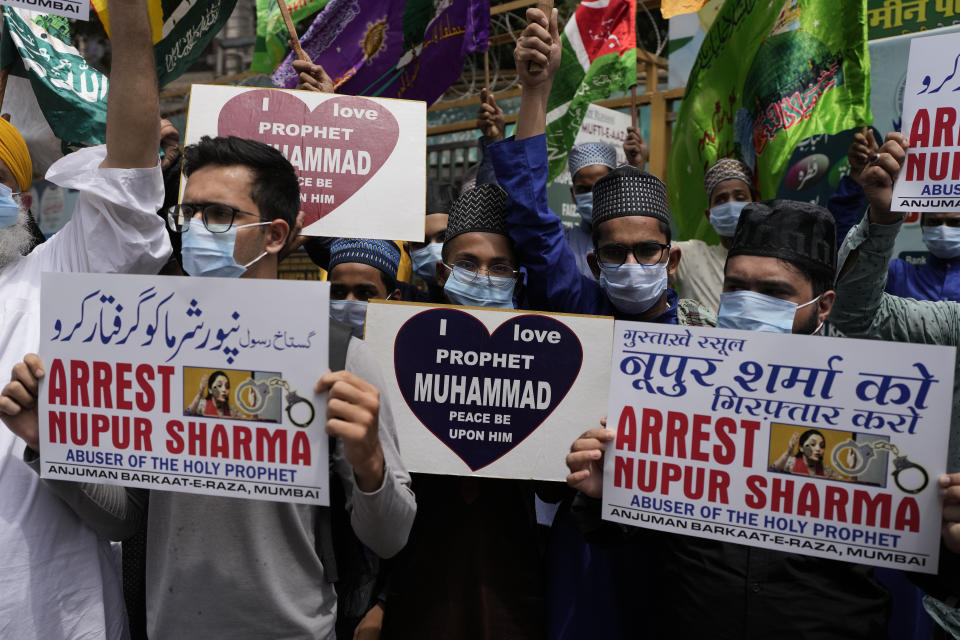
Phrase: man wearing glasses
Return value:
(631, 261)
(224, 567)
(478, 266)
(632, 253)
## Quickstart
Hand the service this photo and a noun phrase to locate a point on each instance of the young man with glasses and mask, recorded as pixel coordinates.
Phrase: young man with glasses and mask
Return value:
(778, 277)
(240, 201)
(478, 267)
(632, 254)
(361, 270)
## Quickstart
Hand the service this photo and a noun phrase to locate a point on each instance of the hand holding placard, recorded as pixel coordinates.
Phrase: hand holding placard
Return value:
(585, 461)
(353, 411)
(879, 177)
(18, 402)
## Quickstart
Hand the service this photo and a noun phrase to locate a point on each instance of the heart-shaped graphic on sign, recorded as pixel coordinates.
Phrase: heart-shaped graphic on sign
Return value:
(482, 394)
(336, 148)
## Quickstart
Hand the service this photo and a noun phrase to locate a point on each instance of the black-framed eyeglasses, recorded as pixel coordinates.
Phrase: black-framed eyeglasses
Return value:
(217, 217)
(615, 254)
(467, 272)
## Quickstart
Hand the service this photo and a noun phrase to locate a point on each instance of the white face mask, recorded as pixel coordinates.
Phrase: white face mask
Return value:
(633, 288)
(724, 217)
(352, 313)
(942, 241)
(752, 311)
(211, 254)
(425, 260)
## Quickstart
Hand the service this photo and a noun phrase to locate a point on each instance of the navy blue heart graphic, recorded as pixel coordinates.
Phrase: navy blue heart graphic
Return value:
(483, 394)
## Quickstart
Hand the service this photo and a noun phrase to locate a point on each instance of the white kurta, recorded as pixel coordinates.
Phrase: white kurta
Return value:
(700, 272)
(58, 580)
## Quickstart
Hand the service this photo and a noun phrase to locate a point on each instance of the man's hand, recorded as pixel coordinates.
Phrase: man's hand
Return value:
(950, 494)
(585, 461)
(372, 624)
(879, 176)
(294, 240)
(312, 77)
(540, 43)
(636, 148)
(18, 401)
(490, 117)
(170, 143)
(860, 151)
(353, 411)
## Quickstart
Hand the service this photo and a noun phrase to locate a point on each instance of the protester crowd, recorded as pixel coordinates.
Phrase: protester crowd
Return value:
(433, 556)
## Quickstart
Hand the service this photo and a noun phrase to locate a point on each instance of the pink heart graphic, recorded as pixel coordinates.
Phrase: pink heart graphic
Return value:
(335, 149)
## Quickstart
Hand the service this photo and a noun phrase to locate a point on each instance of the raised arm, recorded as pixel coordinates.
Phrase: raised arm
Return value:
(133, 109)
(862, 308)
(539, 43)
(553, 280)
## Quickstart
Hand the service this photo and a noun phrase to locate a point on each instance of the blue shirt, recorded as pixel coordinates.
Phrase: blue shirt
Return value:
(936, 280)
(554, 281)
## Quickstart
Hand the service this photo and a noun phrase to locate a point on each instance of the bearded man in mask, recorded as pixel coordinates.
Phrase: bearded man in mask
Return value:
(58, 579)
(20, 231)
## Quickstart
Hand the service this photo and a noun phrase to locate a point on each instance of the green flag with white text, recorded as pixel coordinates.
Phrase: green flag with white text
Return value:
(599, 59)
(72, 95)
(768, 75)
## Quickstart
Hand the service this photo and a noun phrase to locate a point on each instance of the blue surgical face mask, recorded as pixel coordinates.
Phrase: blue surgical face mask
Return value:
(942, 241)
(479, 293)
(9, 208)
(352, 313)
(425, 261)
(209, 254)
(585, 206)
(752, 311)
(724, 217)
(634, 288)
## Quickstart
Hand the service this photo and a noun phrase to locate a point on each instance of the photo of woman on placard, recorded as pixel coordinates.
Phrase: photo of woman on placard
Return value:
(213, 397)
(811, 448)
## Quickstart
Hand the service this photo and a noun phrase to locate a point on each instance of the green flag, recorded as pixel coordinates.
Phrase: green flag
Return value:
(599, 58)
(768, 75)
(72, 95)
(271, 45)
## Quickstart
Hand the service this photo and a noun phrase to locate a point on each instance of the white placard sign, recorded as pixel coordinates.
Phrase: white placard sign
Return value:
(185, 384)
(930, 179)
(76, 9)
(600, 124)
(361, 161)
(826, 447)
(490, 393)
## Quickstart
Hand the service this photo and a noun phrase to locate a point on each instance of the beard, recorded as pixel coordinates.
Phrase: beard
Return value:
(16, 240)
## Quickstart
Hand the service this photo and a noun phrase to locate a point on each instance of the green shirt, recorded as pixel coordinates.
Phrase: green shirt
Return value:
(863, 310)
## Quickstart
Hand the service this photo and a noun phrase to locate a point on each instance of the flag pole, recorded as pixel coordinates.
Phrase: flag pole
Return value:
(294, 38)
(547, 7)
(486, 68)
